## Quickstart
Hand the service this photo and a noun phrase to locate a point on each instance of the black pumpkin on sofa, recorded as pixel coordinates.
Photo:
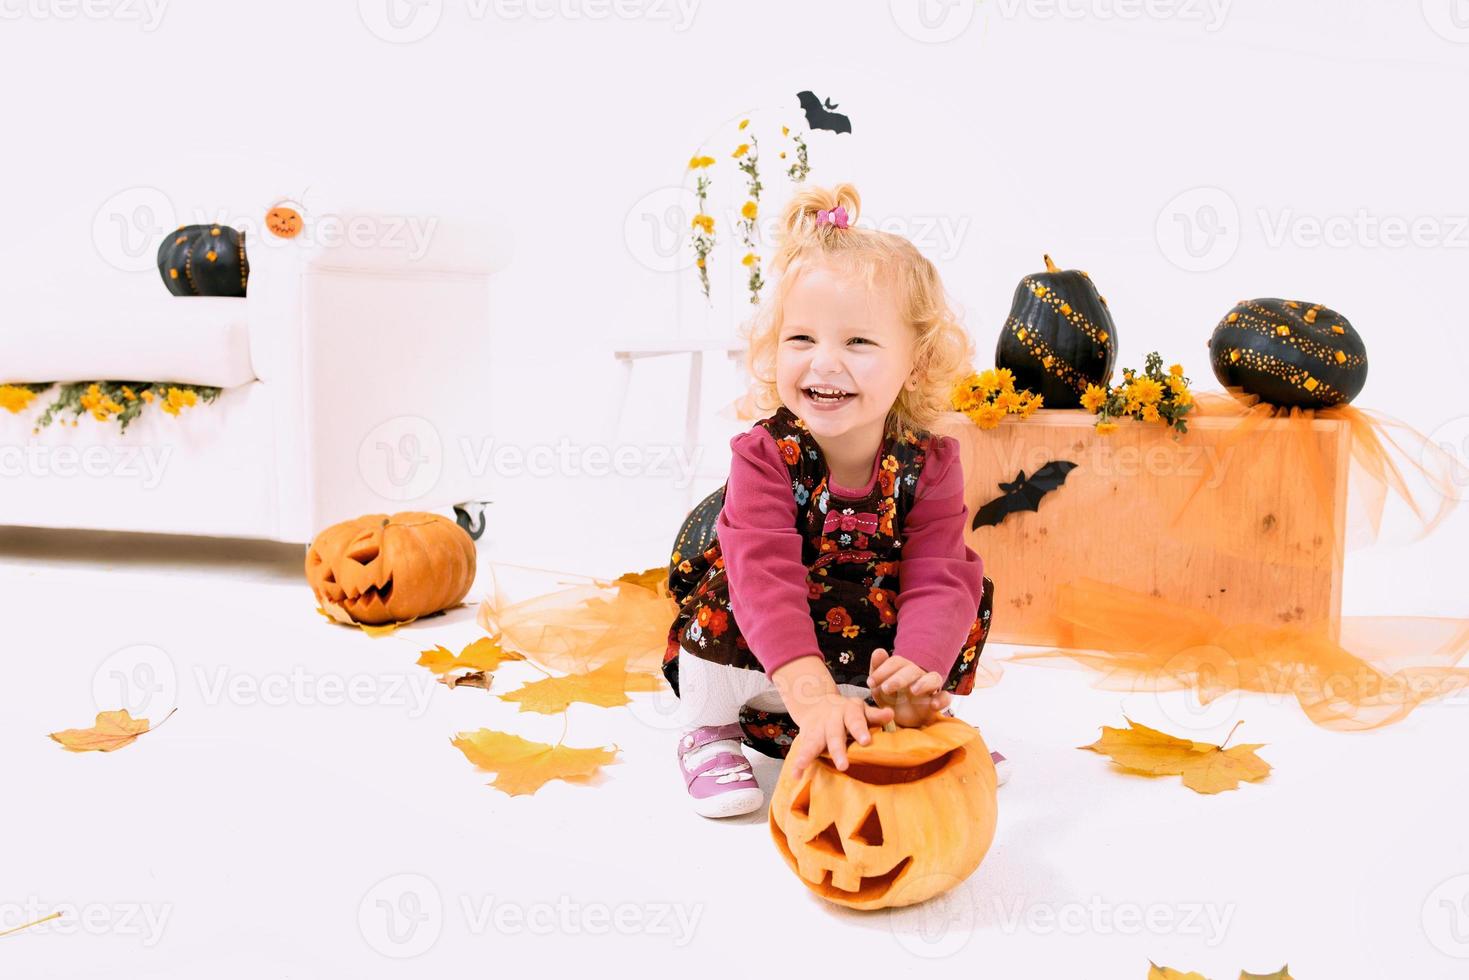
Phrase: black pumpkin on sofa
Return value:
(204, 260)
(1289, 353)
(1059, 337)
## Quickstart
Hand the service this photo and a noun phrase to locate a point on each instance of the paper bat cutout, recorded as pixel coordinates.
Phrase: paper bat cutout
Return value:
(1023, 494)
(819, 116)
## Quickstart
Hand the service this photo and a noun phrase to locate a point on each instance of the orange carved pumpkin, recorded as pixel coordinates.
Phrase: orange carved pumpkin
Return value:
(382, 569)
(911, 817)
(283, 221)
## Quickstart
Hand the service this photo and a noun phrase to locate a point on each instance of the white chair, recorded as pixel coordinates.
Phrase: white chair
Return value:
(353, 382)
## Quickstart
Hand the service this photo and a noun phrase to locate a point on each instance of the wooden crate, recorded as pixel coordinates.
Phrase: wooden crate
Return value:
(1109, 521)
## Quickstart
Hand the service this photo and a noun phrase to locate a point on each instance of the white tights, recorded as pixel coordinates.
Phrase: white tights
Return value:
(712, 694)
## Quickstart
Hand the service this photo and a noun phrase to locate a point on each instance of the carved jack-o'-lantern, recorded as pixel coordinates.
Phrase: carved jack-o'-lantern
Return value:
(382, 569)
(911, 817)
(283, 221)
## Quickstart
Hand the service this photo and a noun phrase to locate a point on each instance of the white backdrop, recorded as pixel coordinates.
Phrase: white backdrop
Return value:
(1187, 153)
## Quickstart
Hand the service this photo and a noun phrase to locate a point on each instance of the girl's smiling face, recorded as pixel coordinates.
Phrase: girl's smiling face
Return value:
(837, 335)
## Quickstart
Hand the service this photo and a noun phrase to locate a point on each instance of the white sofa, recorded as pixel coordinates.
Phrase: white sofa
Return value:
(353, 380)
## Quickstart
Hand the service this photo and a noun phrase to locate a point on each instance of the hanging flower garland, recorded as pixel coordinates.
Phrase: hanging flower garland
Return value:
(748, 155)
(1153, 397)
(703, 224)
(797, 171)
(987, 398)
(105, 400)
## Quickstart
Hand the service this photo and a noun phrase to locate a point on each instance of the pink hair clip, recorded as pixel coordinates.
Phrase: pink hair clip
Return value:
(836, 216)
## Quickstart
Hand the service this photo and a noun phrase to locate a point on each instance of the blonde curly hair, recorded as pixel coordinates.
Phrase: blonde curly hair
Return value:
(943, 352)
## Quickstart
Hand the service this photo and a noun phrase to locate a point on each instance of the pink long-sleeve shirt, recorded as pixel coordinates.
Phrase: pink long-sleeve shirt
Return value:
(941, 579)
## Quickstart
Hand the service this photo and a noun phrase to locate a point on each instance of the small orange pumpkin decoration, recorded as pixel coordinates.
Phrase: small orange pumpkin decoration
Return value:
(911, 817)
(283, 222)
(382, 569)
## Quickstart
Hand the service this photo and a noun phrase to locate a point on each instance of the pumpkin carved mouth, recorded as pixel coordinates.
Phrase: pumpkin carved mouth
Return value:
(865, 888)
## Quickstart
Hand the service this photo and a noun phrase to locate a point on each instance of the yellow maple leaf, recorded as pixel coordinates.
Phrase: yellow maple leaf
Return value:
(1282, 974)
(606, 687)
(521, 767)
(337, 614)
(483, 654)
(1156, 972)
(113, 730)
(655, 579)
(1205, 768)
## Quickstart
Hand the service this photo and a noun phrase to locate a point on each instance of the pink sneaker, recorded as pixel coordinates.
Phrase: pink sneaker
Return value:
(721, 782)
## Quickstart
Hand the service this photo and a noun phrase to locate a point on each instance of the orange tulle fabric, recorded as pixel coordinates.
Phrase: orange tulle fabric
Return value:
(1379, 671)
(1386, 456)
(586, 626)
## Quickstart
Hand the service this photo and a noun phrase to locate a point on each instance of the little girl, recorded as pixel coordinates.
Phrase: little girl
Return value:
(793, 630)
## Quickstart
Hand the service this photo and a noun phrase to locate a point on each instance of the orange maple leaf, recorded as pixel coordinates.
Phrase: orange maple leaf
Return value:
(483, 654)
(113, 730)
(1205, 768)
(607, 687)
(522, 766)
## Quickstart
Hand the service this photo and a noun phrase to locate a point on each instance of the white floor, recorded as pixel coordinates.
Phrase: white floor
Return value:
(303, 815)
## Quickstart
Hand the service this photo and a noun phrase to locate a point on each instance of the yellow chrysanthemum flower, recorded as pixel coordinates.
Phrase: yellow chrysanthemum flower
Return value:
(1150, 413)
(741, 150)
(698, 162)
(1007, 401)
(704, 221)
(1106, 428)
(1145, 390)
(988, 415)
(1006, 378)
(1176, 371)
(750, 259)
(748, 211)
(744, 123)
(785, 130)
(1092, 398)
(987, 382)
(15, 398)
(1030, 406)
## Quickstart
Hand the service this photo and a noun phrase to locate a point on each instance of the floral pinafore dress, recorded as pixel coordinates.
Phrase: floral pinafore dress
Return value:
(852, 551)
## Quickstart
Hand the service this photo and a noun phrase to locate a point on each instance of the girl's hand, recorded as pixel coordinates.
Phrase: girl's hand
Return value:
(916, 696)
(824, 726)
